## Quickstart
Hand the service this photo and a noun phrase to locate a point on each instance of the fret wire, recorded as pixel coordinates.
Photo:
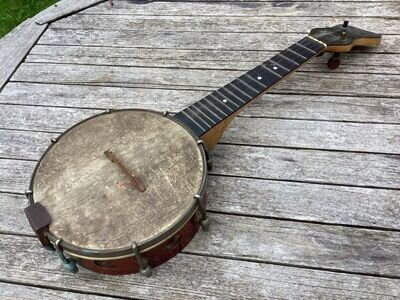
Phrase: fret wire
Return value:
(205, 106)
(209, 101)
(196, 116)
(298, 54)
(289, 59)
(187, 115)
(228, 91)
(301, 51)
(255, 80)
(281, 65)
(273, 67)
(221, 101)
(312, 51)
(267, 78)
(246, 84)
(240, 90)
(272, 72)
(287, 63)
(203, 114)
(312, 43)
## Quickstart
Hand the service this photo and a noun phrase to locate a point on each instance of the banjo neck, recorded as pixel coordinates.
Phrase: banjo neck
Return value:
(209, 117)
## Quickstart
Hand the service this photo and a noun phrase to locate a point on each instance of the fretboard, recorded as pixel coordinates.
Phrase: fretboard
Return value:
(205, 114)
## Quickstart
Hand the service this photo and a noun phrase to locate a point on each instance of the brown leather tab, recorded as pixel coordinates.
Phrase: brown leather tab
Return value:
(39, 219)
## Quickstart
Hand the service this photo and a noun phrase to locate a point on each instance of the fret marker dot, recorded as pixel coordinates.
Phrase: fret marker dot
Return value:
(275, 68)
(259, 77)
(224, 100)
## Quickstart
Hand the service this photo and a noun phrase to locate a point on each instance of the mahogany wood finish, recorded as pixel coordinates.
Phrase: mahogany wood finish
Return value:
(154, 257)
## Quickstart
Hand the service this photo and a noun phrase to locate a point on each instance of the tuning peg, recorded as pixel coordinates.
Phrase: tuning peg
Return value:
(344, 32)
(334, 61)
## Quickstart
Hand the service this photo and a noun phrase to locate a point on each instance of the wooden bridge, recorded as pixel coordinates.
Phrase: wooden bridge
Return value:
(304, 197)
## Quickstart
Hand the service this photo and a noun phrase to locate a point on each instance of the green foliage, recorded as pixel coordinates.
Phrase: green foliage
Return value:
(13, 12)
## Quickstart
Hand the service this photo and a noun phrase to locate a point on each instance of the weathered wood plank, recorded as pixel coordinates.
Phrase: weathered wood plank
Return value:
(12, 217)
(14, 47)
(299, 83)
(359, 169)
(35, 118)
(11, 291)
(267, 9)
(306, 202)
(21, 144)
(63, 8)
(219, 24)
(295, 243)
(378, 138)
(308, 166)
(22, 260)
(320, 246)
(15, 175)
(203, 59)
(317, 135)
(288, 200)
(188, 40)
(335, 108)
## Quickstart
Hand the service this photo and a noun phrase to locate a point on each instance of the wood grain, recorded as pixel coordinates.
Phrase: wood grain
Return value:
(11, 291)
(284, 242)
(13, 219)
(218, 23)
(375, 138)
(14, 47)
(254, 41)
(299, 83)
(293, 106)
(21, 259)
(265, 9)
(317, 135)
(314, 166)
(267, 203)
(353, 62)
(63, 8)
(287, 200)
(294, 243)
(304, 201)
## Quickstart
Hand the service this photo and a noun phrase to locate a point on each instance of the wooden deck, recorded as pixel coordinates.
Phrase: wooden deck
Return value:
(304, 197)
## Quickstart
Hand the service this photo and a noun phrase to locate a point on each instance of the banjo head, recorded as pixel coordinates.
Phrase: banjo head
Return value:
(94, 205)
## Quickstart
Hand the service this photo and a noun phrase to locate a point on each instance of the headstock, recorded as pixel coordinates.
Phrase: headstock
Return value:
(342, 38)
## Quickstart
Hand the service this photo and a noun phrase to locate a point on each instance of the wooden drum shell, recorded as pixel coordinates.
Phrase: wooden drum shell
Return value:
(144, 253)
(154, 257)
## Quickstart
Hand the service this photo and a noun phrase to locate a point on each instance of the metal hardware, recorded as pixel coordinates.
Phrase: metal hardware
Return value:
(144, 266)
(316, 40)
(209, 160)
(137, 183)
(344, 32)
(53, 140)
(68, 264)
(200, 142)
(204, 221)
(28, 193)
(166, 113)
(50, 246)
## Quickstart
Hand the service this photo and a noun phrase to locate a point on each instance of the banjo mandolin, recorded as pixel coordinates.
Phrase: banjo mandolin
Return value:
(124, 191)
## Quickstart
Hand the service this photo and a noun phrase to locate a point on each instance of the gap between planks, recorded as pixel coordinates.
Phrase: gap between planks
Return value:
(175, 278)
